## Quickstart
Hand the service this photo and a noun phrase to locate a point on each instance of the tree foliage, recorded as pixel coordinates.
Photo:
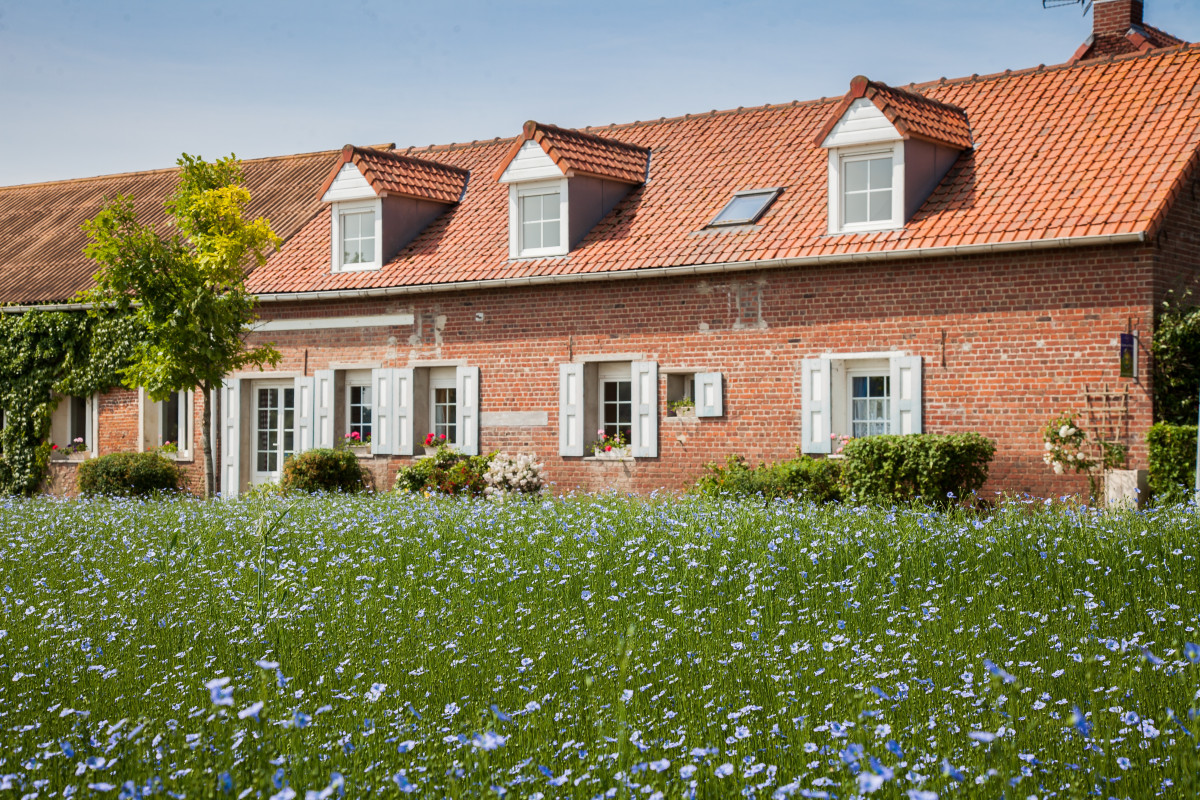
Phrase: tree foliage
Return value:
(186, 292)
(1176, 351)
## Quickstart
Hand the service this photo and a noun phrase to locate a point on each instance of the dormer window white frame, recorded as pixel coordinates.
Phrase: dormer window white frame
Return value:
(350, 239)
(857, 185)
(533, 229)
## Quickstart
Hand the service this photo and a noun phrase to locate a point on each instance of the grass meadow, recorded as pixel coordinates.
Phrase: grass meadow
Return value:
(595, 647)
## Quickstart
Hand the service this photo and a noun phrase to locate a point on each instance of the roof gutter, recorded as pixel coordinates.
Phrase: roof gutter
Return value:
(710, 269)
(1138, 237)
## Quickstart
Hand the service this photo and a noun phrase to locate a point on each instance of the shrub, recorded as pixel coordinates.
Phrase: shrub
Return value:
(1172, 462)
(128, 475)
(920, 466)
(1176, 362)
(324, 470)
(509, 474)
(815, 479)
(446, 471)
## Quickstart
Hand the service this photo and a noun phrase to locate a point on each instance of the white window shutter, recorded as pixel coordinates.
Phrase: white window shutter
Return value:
(305, 387)
(323, 401)
(383, 412)
(709, 387)
(231, 437)
(570, 409)
(906, 394)
(815, 405)
(402, 411)
(645, 409)
(467, 384)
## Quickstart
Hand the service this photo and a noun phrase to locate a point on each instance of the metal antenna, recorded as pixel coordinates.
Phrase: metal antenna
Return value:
(1087, 4)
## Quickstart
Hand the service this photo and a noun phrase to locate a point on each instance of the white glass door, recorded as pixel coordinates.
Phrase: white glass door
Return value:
(274, 431)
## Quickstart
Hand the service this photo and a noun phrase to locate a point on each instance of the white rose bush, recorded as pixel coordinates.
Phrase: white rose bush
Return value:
(514, 474)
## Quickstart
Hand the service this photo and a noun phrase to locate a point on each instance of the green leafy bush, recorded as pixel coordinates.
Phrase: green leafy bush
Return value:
(1172, 462)
(921, 466)
(324, 470)
(446, 471)
(128, 474)
(815, 479)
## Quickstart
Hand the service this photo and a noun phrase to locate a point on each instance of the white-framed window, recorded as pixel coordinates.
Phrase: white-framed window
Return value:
(870, 403)
(699, 394)
(443, 404)
(356, 235)
(73, 426)
(168, 424)
(615, 401)
(866, 188)
(538, 219)
(859, 394)
(359, 408)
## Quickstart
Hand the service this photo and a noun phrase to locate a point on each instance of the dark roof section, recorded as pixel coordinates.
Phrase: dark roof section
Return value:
(41, 242)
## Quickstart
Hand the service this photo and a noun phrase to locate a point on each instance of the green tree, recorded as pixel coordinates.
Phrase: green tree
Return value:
(186, 291)
(1176, 351)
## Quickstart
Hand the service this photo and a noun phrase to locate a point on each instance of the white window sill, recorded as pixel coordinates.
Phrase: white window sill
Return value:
(70, 458)
(533, 256)
(889, 228)
(358, 268)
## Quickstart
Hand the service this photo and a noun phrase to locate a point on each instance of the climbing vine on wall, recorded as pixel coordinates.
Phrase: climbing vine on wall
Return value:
(45, 355)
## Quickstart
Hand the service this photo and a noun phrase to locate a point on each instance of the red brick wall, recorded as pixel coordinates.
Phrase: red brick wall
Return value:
(1024, 337)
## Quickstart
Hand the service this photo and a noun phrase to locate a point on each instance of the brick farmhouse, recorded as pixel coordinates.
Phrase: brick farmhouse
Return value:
(960, 255)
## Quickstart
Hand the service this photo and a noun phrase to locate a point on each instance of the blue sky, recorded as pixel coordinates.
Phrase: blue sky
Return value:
(89, 87)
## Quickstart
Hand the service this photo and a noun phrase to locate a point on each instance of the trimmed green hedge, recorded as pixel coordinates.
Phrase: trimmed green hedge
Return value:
(324, 470)
(1172, 462)
(446, 471)
(815, 479)
(128, 475)
(935, 468)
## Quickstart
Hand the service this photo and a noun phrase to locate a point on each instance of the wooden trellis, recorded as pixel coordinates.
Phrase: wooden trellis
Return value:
(1107, 412)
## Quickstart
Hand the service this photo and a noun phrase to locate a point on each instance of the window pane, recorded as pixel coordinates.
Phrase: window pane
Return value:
(856, 208)
(350, 226)
(532, 235)
(881, 205)
(550, 206)
(856, 176)
(367, 254)
(881, 173)
(879, 385)
(625, 390)
(859, 387)
(610, 391)
(550, 234)
(169, 420)
(531, 208)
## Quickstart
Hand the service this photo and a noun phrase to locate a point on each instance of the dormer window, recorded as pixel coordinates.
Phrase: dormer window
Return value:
(888, 150)
(745, 208)
(561, 183)
(380, 201)
(542, 208)
(866, 190)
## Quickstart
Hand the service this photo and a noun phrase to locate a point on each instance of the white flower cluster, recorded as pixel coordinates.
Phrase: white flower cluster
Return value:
(512, 474)
(1064, 448)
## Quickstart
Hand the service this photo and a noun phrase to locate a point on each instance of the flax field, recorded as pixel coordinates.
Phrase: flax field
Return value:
(595, 647)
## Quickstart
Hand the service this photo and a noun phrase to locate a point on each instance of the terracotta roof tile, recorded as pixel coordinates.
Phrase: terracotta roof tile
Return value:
(581, 153)
(392, 173)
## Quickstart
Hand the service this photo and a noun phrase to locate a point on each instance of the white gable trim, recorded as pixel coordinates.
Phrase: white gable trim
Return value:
(863, 123)
(530, 164)
(349, 185)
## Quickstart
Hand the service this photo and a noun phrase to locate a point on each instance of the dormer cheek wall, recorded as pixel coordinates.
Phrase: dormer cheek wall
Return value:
(925, 164)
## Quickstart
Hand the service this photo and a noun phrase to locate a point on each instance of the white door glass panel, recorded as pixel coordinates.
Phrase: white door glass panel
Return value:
(274, 430)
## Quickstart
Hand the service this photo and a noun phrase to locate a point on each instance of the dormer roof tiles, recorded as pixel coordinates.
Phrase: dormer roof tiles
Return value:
(912, 114)
(581, 153)
(391, 173)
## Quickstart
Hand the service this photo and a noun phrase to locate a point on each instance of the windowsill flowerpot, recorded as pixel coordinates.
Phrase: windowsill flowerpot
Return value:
(684, 411)
(614, 454)
(70, 458)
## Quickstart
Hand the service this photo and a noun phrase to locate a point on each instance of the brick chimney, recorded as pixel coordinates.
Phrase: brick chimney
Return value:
(1112, 18)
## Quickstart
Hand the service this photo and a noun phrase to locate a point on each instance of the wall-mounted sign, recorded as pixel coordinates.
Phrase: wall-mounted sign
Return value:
(1128, 355)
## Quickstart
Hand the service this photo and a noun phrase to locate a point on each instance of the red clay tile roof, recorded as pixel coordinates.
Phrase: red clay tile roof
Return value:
(1090, 149)
(41, 243)
(913, 115)
(1138, 39)
(391, 173)
(581, 153)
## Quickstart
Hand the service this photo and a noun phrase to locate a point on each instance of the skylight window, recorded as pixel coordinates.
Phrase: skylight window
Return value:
(745, 208)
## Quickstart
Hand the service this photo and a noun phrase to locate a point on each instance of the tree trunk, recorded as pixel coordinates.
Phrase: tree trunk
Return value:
(206, 440)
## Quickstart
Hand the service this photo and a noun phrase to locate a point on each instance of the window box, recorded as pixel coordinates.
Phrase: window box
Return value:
(615, 454)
